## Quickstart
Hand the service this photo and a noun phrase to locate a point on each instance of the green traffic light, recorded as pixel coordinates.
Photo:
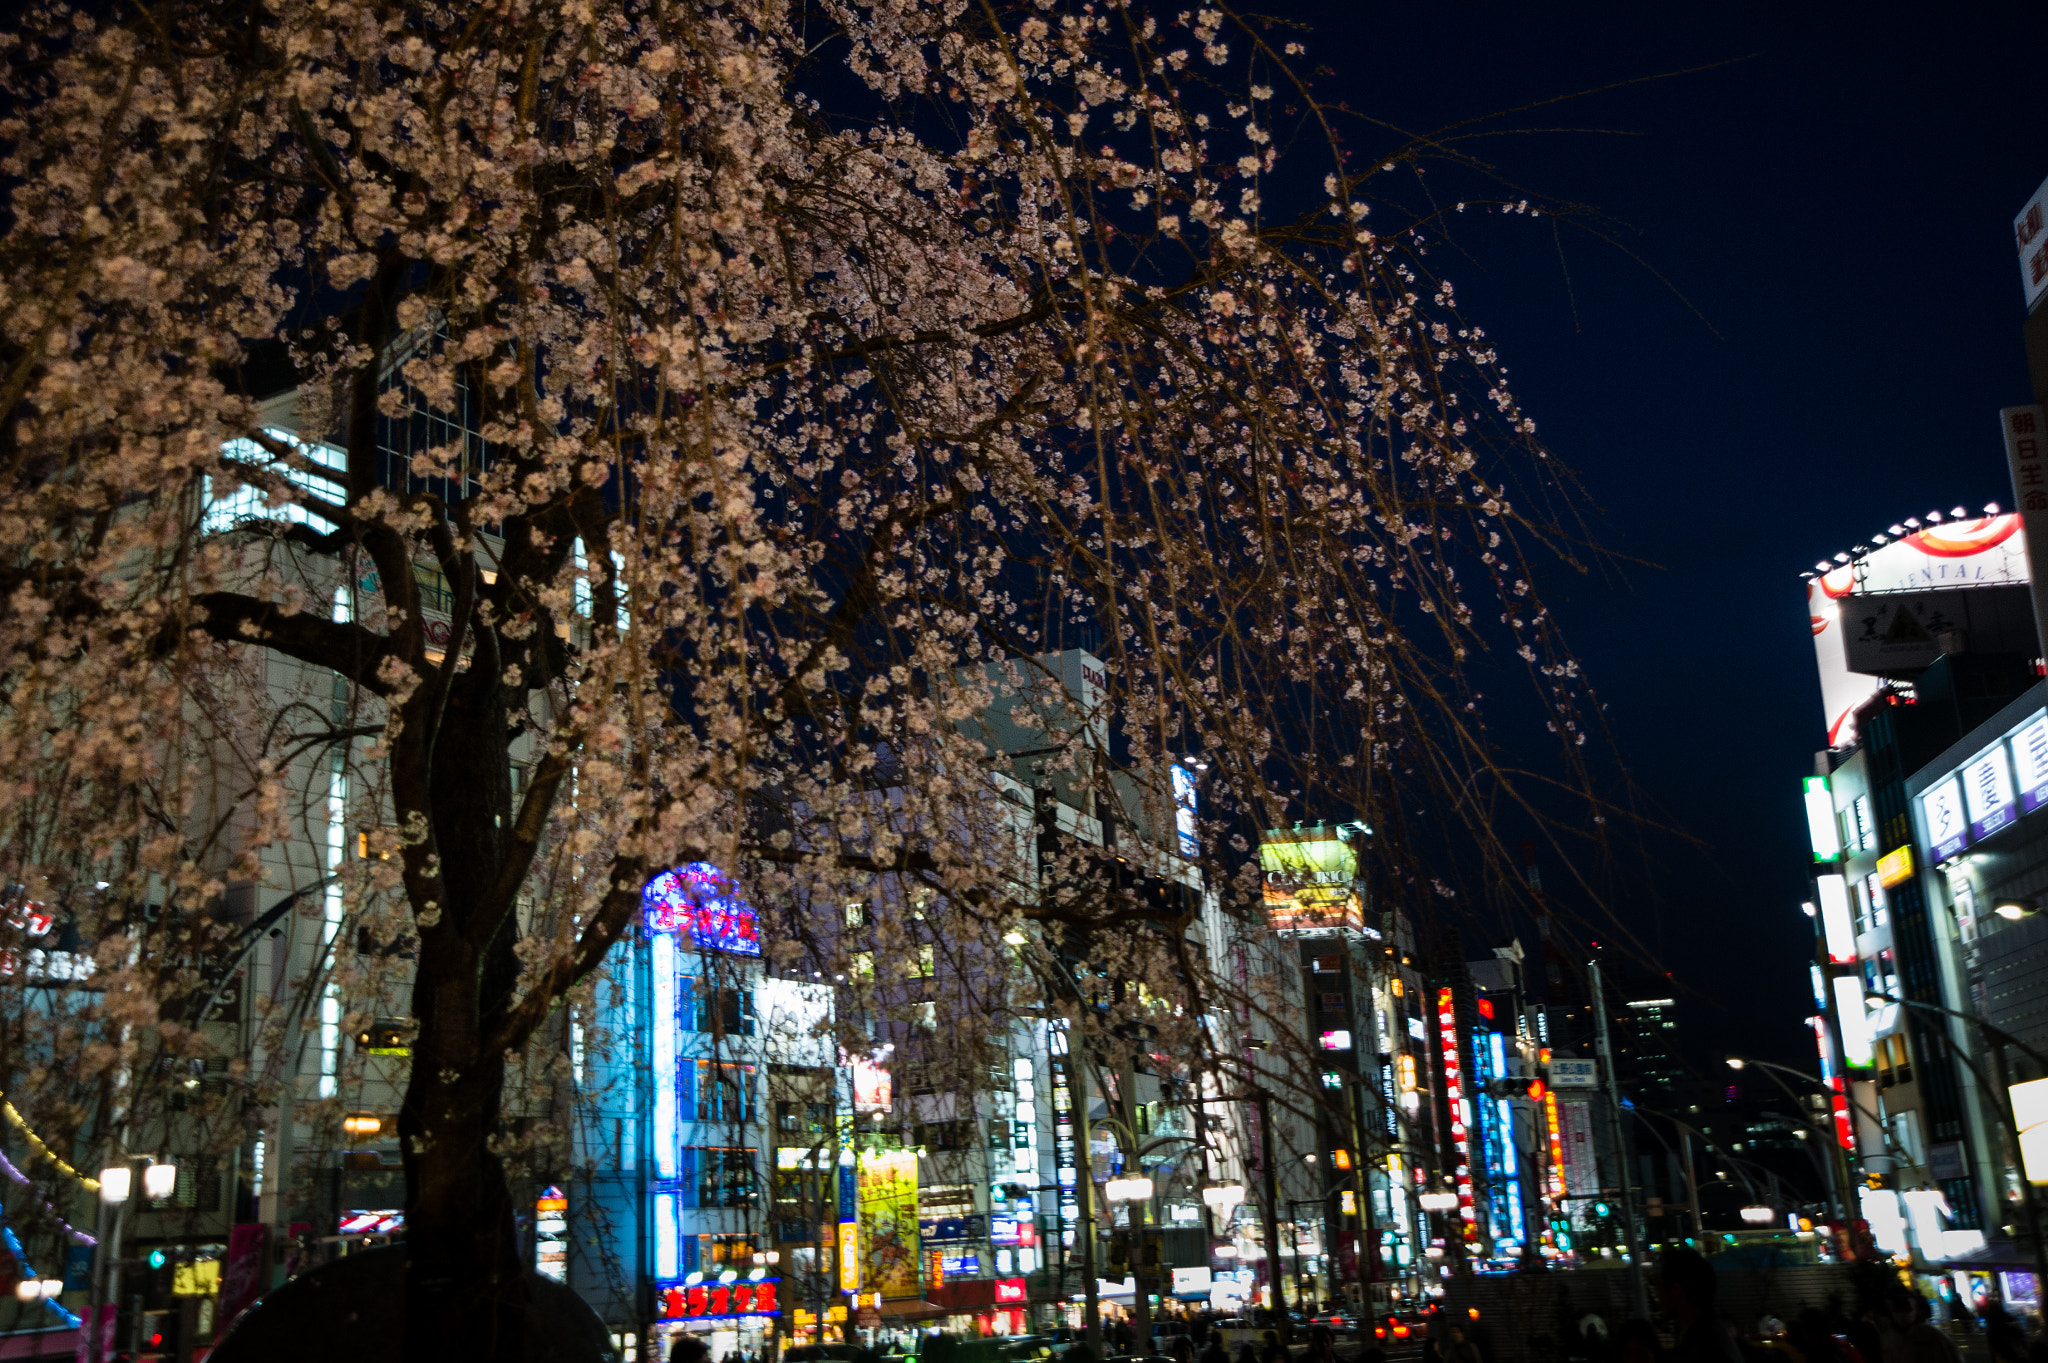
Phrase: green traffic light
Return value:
(1601, 1209)
(156, 1258)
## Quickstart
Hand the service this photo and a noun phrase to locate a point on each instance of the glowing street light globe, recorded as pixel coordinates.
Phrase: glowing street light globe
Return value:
(115, 1181)
(1223, 1198)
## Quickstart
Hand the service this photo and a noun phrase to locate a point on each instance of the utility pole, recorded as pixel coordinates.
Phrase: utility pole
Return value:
(1084, 1182)
(1269, 1216)
(1638, 1293)
(1692, 1182)
(1365, 1245)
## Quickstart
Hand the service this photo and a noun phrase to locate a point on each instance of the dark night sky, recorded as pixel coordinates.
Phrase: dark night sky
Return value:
(1837, 209)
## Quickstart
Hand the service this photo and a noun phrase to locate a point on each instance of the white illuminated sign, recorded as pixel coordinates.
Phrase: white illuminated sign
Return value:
(1948, 828)
(1987, 791)
(2030, 763)
(1834, 919)
(2030, 1109)
(1821, 826)
(2030, 240)
(668, 1237)
(1855, 1022)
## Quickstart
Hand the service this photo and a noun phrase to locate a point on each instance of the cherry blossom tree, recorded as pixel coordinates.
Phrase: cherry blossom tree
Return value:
(698, 413)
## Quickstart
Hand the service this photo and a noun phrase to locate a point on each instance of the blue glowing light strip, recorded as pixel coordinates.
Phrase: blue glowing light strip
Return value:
(665, 1023)
(14, 1247)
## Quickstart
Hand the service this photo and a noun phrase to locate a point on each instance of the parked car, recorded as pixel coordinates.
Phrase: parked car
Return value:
(829, 1353)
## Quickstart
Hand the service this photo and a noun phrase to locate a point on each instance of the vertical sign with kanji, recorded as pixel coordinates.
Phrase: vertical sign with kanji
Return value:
(2026, 453)
(2030, 238)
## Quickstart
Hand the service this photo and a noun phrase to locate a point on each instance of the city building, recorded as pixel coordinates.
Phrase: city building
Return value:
(1914, 816)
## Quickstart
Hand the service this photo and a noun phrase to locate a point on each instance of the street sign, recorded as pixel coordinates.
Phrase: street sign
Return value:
(1574, 1074)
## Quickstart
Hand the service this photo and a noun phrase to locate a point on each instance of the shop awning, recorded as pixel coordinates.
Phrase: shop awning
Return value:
(914, 1308)
(1994, 1254)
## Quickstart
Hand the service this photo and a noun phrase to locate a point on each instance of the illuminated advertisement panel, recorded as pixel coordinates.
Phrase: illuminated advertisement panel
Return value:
(2030, 763)
(1965, 553)
(1575, 1120)
(888, 1222)
(873, 1089)
(1845, 1131)
(698, 900)
(849, 1256)
(1896, 866)
(1311, 881)
(1987, 793)
(1065, 1151)
(1948, 826)
(551, 1234)
(1184, 812)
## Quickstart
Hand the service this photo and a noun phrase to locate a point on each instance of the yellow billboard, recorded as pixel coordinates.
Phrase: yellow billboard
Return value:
(888, 1222)
(1311, 879)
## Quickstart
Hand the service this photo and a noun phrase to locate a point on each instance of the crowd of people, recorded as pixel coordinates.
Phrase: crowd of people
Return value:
(1891, 1325)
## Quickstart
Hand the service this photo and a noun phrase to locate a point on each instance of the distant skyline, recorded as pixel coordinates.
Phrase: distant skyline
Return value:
(1802, 332)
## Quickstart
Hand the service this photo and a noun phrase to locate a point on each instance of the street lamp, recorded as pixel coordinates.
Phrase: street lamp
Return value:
(1833, 1163)
(1223, 1198)
(2013, 908)
(159, 1181)
(1758, 1216)
(115, 1181)
(1135, 1189)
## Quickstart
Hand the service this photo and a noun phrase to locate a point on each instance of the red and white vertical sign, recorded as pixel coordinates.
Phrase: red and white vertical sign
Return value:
(2030, 238)
(1460, 1105)
(2026, 454)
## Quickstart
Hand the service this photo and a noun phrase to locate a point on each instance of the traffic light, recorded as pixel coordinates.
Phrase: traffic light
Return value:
(159, 1336)
(156, 1259)
(1601, 1209)
(1120, 1253)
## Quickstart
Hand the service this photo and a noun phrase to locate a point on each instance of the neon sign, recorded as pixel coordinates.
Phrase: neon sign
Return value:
(698, 1300)
(1461, 1106)
(1555, 1134)
(699, 900)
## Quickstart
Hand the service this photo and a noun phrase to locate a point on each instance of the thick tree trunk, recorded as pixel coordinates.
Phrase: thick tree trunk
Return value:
(465, 1279)
(465, 1290)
